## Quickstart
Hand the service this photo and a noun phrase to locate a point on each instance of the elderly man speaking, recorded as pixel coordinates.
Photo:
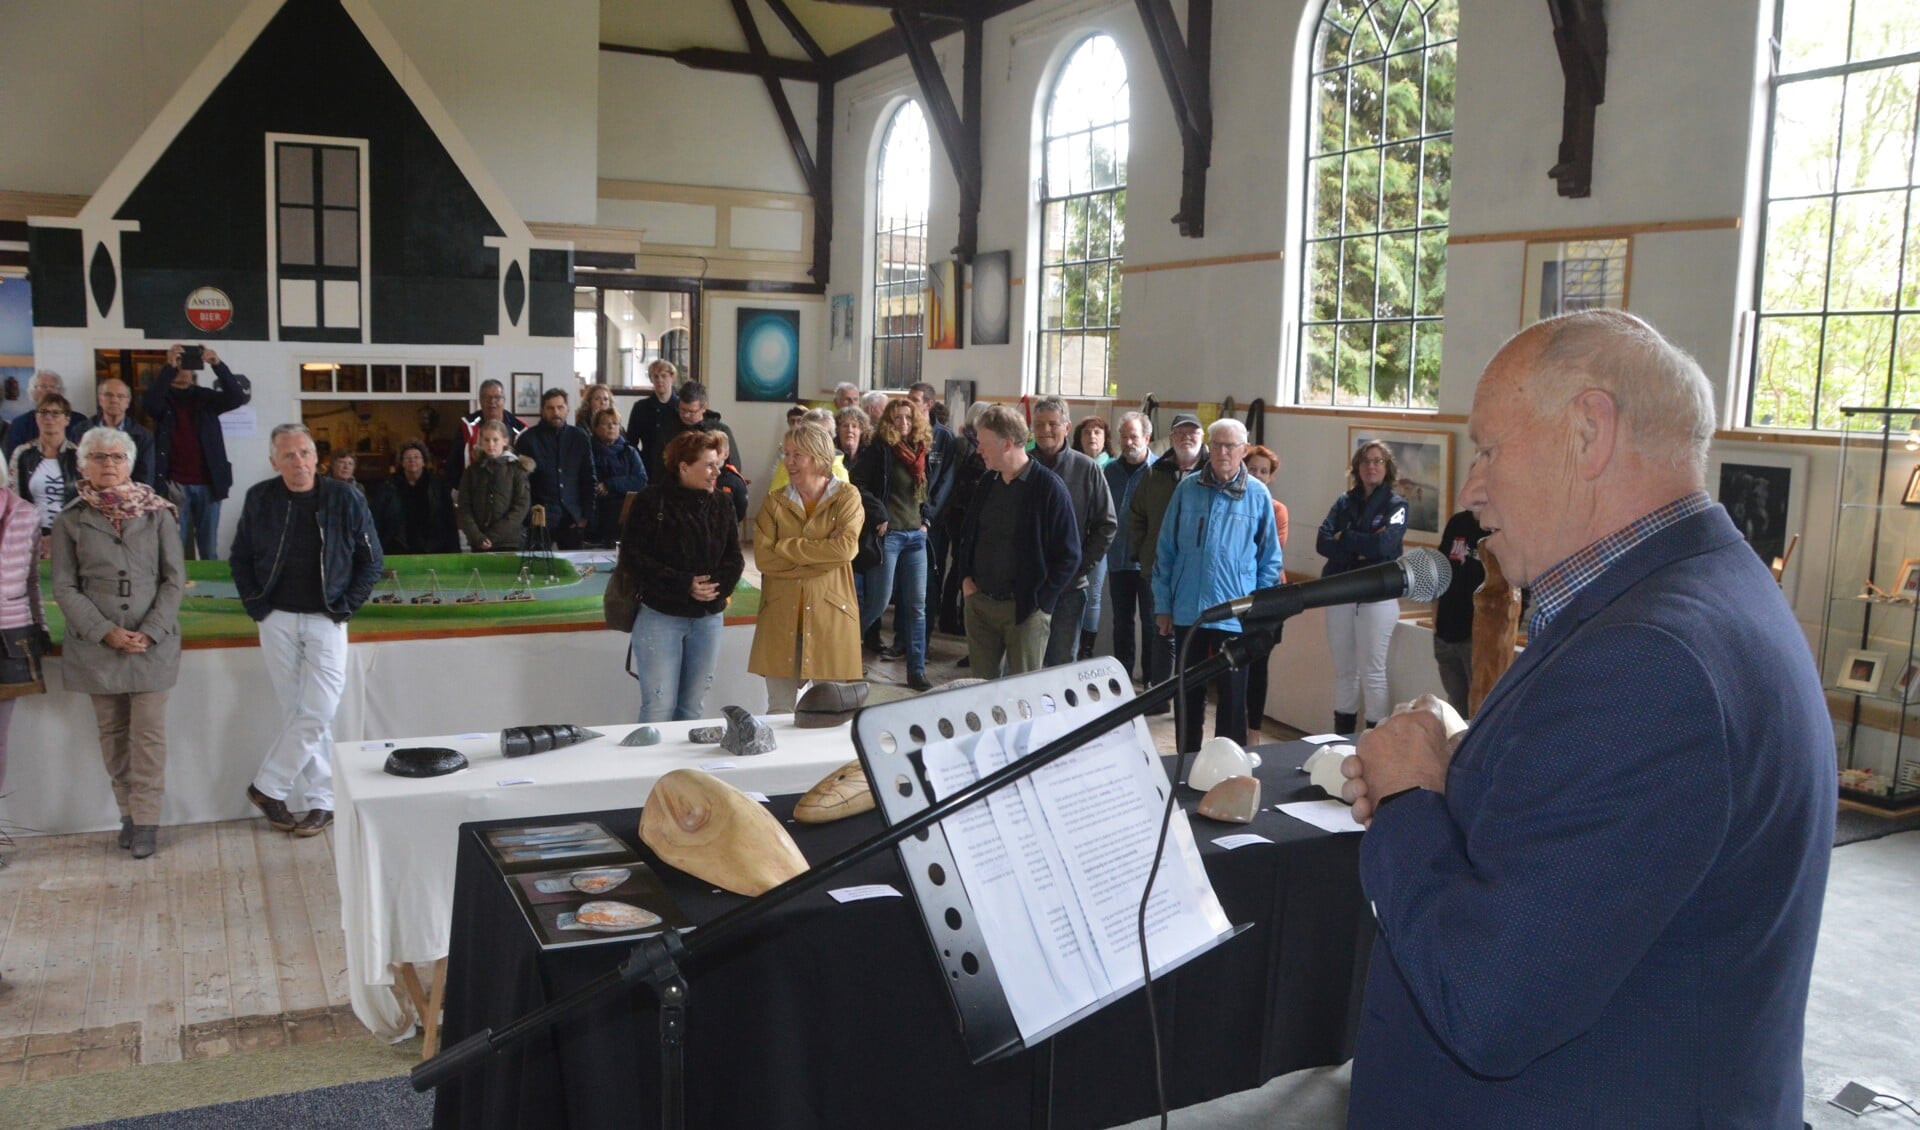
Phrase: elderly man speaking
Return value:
(1599, 908)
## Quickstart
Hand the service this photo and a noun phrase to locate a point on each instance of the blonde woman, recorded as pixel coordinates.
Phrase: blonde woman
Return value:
(804, 539)
(597, 399)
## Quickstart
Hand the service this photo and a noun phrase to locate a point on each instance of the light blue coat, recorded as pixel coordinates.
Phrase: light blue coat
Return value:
(1214, 548)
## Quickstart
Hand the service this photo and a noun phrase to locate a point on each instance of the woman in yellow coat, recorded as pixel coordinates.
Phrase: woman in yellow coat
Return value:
(804, 540)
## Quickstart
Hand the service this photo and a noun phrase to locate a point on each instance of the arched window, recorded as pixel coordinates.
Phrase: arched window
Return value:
(900, 186)
(1839, 279)
(1379, 163)
(1083, 220)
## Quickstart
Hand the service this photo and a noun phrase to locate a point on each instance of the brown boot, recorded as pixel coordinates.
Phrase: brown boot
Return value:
(145, 840)
(314, 822)
(274, 810)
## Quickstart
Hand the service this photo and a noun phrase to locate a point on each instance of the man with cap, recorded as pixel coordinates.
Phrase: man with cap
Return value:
(1184, 456)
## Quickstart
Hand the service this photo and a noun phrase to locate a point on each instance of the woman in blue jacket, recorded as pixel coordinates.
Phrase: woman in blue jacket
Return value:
(1363, 528)
(617, 471)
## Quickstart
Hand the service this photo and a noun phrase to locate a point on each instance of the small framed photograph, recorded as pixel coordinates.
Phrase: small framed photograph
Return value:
(1912, 496)
(526, 393)
(1907, 582)
(1563, 276)
(1861, 671)
(1905, 683)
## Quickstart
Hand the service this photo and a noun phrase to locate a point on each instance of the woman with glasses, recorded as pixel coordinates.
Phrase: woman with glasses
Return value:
(44, 472)
(118, 575)
(1363, 528)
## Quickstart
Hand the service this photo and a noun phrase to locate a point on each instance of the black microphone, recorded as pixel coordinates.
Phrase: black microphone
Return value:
(1420, 575)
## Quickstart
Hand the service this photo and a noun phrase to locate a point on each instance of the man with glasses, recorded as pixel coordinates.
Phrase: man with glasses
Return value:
(493, 406)
(1218, 542)
(189, 450)
(114, 398)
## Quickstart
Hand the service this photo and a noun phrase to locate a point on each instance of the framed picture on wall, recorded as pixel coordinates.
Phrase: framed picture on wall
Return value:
(1763, 492)
(526, 393)
(1576, 274)
(1424, 465)
(767, 357)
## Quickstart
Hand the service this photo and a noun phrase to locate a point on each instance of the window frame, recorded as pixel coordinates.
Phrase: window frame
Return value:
(1420, 234)
(324, 329)
(907, 349)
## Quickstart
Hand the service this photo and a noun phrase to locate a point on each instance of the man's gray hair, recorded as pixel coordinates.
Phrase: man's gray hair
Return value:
(107, 439)
(1661, 393)
(273, 437)
(1054, 404)
(1145, 421)
(1230, 425)
(873, 399)
(845, 386)
(52, 378)
(1003, 422)
(492, 382)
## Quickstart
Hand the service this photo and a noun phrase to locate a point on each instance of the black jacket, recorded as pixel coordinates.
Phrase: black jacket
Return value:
(562, 477)
(388, 503)
(230, 390)
(672, 535)
(643, 429)
(27, 458)
(350, 557)
(671, 426)
(142, 447)
(1048, 551)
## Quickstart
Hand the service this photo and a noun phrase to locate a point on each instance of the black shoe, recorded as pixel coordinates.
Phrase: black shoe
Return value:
(274, 810)
(893, 652)
(145, 840)
(919, 682)
(964, 661)
(314, 822)
(126, 832)
(1345, 723)
(870, 641)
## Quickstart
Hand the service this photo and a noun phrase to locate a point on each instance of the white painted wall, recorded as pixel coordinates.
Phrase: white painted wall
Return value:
(81, 79)
(662, 122)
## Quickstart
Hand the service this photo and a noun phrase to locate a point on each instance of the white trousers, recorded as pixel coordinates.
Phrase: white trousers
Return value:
(306, 657)
(1358, 635)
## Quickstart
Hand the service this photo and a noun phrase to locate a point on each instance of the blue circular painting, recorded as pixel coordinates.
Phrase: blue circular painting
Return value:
(768, 365)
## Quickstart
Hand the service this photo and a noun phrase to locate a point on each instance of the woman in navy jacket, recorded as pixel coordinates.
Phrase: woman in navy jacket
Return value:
(1364, 528)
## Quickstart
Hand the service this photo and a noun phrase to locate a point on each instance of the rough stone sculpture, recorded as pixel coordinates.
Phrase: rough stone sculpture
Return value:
(746, 735)
(1234, 800)
(840, 794)
(706, 735)
(700, 824)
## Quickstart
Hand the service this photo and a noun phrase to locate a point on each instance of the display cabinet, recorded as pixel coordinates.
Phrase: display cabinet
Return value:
(1868, 660)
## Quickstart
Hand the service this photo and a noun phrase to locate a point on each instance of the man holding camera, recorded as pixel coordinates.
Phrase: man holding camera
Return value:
(190, 453)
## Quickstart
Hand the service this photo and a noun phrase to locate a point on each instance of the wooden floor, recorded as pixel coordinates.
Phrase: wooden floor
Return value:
(228, 939)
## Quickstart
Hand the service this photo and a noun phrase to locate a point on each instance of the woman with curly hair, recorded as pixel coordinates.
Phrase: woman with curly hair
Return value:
(1364, 528)
(893, 469)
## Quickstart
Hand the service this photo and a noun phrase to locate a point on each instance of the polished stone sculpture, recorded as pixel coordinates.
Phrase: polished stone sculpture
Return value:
(1218, 759)
(829, 704)
(642, 735)
(840, 794)
(519, 741)
(1234, 800)
(700, 824)
(1323, 768)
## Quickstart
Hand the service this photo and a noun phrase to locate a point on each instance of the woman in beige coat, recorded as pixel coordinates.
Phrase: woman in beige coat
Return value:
(804, 540)
(118, 576)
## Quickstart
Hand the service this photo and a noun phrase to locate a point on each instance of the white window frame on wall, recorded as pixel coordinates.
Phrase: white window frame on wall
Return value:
(870, 268)
(364, 212)
(1072, 43)
(1305, 242)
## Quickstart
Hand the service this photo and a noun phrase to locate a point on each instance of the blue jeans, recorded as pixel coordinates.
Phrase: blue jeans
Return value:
(675, 657)
(1096, 580)
(200, 521)
(905, 562)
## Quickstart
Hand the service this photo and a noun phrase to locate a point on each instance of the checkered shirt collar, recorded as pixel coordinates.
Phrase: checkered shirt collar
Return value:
(1556, 589)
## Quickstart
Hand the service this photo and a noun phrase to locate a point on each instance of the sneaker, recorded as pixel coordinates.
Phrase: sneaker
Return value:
(313, 822)
(274, 810)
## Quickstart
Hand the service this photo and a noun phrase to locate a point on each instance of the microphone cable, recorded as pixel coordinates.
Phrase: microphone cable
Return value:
(1159, 851)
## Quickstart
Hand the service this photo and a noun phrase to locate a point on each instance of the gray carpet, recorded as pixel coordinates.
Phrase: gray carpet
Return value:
(378, 1104)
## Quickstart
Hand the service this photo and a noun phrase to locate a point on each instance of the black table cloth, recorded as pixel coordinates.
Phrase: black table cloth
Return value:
(835, 1015)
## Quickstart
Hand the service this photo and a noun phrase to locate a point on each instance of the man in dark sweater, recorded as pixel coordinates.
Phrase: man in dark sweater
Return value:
(562, 477)
(1019, 551)
(649, 412)
(1144, 513)
(189, 449)
(1453, 612)
(1092, 512)
(304, 559)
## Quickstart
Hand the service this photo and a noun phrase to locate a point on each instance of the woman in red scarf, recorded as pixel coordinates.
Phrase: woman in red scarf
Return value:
(118, 575)
(893, 469)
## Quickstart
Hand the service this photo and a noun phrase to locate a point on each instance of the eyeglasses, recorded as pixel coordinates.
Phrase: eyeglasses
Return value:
(106, 457)
(49, 413)
(1376, 461)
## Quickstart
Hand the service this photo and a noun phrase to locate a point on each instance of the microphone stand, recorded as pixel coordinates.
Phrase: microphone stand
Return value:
(655, 960)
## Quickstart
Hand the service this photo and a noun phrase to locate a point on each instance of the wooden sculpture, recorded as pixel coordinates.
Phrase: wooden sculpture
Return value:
(713, 831)
(840, 794)
(1496, 623)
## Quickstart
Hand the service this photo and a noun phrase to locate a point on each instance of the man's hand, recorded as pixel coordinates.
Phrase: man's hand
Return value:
(967, 587)
(486, 543)
(212, 357)
(882, 528)
(173, 356)
(1164, 622)
(1408, 751)
(705, 588)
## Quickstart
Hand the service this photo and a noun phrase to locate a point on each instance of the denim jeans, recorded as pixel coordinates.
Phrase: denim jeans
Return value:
(905, 564)
(1096, 580)
(200, 521)
(675, 657)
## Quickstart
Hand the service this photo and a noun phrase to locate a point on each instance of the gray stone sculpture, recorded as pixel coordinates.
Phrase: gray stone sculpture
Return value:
(746, 735)
(644, 735)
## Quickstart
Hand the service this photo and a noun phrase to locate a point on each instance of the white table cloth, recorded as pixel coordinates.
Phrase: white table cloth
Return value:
(396, 838)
